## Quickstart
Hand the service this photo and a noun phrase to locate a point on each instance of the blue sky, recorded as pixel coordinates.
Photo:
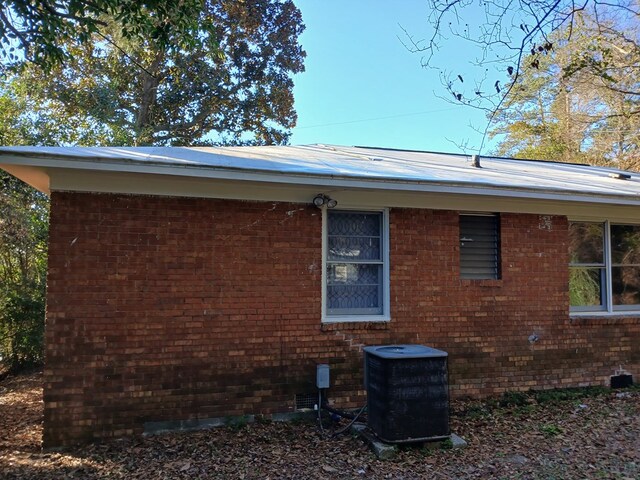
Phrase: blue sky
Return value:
(363, 87)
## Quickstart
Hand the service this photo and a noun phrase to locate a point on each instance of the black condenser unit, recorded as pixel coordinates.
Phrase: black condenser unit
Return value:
(407, 392)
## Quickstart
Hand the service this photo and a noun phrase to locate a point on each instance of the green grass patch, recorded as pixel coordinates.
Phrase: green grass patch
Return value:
(514, 399)
(567, 394)
(236, 423)
(550, 430)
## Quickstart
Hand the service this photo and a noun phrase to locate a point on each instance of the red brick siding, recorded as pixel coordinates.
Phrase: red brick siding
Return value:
(174, 308)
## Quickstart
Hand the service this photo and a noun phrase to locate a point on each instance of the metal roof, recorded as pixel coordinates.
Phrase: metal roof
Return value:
(358, 164)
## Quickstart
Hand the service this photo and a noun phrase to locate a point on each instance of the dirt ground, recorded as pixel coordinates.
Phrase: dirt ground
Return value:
(550, 435)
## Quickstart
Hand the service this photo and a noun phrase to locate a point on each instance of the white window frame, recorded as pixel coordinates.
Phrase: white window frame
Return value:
(608, 309)
(386, 297)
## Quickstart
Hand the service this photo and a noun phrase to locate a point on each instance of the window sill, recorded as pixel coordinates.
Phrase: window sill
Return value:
(608, 318)
(360, 319)
(597, 314)
(355, 325)
(489, 282)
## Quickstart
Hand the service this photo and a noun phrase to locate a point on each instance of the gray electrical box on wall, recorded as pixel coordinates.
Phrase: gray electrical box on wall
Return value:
(322, 376)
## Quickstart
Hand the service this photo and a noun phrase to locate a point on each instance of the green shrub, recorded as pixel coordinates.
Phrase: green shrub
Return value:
(564, 394)
(514, 399)
(22, 326)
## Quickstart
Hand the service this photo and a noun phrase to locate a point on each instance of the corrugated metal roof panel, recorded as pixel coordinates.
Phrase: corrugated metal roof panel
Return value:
(358, 163)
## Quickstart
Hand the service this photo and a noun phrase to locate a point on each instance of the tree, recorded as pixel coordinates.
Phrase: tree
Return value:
(566, 106)
(23, 243)
(38, 31)
(544, 114)
(233, 85)
(508, 36)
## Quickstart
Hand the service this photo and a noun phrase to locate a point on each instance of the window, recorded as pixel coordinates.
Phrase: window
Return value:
(587, 279)
(479, 246)
(604, 266)
(356, 265)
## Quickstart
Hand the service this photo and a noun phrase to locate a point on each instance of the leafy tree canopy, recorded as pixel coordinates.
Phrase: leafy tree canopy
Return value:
(38, 31)
(23, 247)
(503, 38)
(578, 103)
(137, 84)
(23, 264)
(232, 85)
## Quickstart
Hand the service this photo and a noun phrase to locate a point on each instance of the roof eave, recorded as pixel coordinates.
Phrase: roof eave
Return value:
(51, 162)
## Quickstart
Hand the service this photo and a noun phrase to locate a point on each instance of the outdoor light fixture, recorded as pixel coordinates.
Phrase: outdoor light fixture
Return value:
(319, 199)
(322, 200)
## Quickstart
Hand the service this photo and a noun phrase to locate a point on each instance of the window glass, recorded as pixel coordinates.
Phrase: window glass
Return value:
(354, 248)
(354, 223)
(354, 263)
(625, 244)
(354, 288)
(586, 243)
(626, 285)
(597, 250)
(625, 264)
(587, 272)
(586, 286)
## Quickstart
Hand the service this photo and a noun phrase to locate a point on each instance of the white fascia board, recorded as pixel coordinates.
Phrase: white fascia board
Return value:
(356, 183)
(164, 185)
(57, 168)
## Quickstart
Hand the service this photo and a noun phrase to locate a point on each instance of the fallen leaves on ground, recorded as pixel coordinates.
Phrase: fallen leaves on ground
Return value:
(590, 437)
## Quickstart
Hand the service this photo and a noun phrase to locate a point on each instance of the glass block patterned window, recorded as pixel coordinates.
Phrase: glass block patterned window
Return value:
(355, 263)
(604, 266)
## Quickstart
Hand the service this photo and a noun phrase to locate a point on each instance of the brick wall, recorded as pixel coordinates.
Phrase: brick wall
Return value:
(173, 308)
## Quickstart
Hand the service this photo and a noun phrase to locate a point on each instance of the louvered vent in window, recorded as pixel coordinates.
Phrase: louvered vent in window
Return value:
(479, 247)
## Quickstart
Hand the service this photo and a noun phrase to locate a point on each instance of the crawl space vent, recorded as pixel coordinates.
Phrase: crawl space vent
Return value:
(306, 401)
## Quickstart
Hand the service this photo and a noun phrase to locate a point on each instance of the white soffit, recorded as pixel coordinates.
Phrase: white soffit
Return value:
(321, 166)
